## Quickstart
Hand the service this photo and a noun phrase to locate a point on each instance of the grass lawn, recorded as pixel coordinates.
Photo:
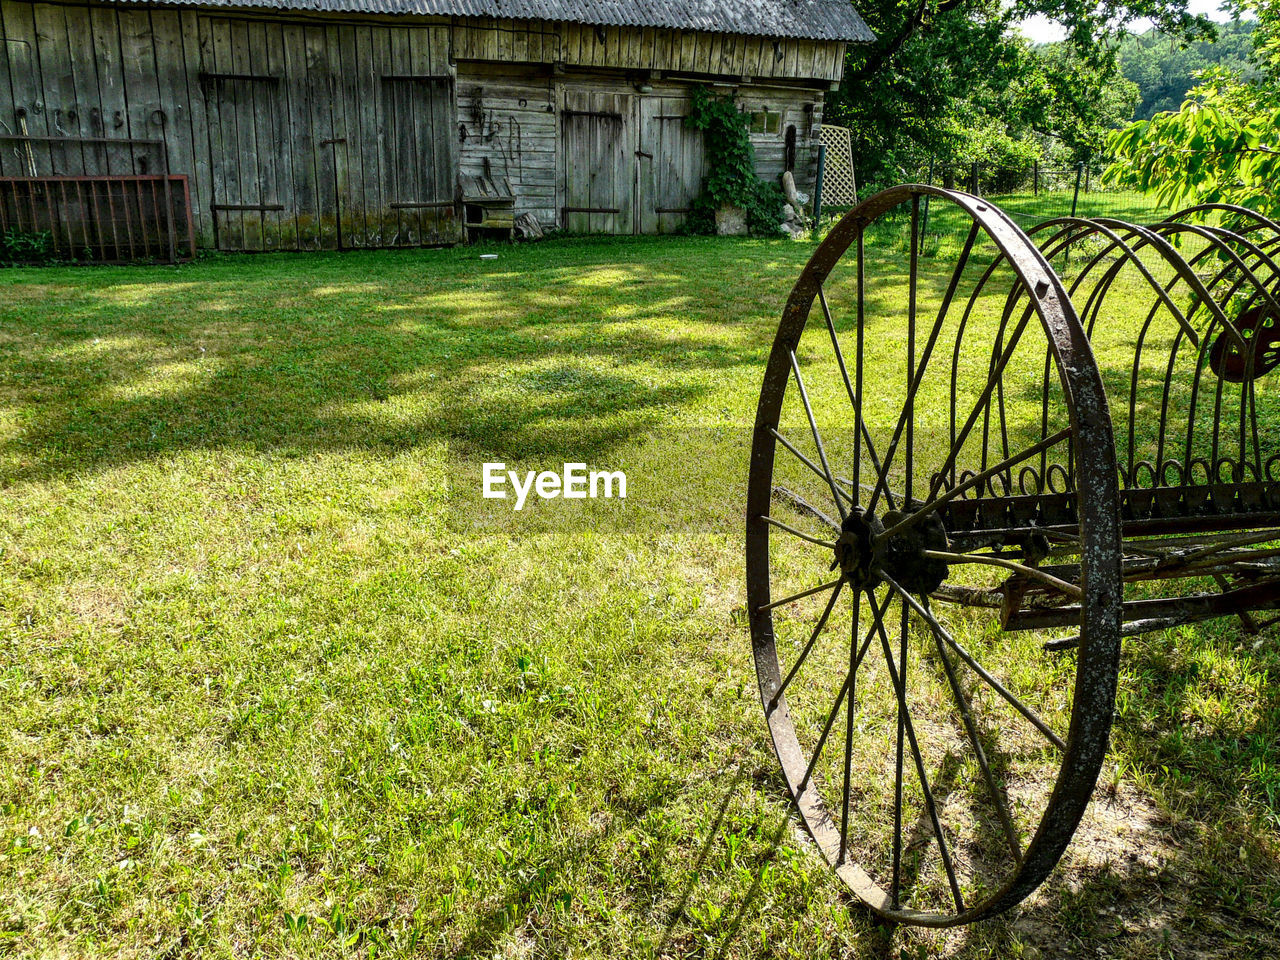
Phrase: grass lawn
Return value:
(276, 680)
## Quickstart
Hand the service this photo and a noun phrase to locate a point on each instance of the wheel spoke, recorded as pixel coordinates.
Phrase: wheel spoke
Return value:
(898, 681)
(835, 709)
(996, 373)
(855, 397)
(796, 533)
(822, 622)
(851, 707)
(810, 464)
(915, 381)
(936, 503)
(817, 437)
(981, 671)
(971, 728)
(804, 506)
(801, 595)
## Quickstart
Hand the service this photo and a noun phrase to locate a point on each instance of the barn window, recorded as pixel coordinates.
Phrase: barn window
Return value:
(766, 121)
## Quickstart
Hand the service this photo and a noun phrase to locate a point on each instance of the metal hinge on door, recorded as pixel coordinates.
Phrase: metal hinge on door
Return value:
(641, 153)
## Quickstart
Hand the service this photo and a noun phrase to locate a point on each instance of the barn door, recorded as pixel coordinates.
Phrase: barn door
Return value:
(671, 164)
(248, 151)
(598, 154)
(419, 137)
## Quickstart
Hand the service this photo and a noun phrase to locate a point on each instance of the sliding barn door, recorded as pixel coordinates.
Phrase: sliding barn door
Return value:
(597, 132)
(670, 164)
(249, 136)
(419, 153)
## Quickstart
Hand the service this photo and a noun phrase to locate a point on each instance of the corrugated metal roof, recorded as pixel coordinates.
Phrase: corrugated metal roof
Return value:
(801, 19)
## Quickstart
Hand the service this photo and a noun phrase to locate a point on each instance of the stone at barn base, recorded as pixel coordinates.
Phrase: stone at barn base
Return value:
(731, 221)
(793, 224)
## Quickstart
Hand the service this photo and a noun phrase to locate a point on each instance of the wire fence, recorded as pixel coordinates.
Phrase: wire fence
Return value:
(1031, 194)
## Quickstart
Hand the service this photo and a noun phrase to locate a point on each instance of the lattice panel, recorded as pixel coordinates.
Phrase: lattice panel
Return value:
(839, 184)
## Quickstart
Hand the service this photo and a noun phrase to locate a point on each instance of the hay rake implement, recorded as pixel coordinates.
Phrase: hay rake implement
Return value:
(950, 530)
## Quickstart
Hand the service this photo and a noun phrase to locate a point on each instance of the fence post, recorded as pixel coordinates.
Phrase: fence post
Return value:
(924, 224)
(973, 177)
(1075, 199)
(817, 187)
(1036, 177)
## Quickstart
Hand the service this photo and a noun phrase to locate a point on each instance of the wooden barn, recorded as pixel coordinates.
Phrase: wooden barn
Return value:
(328, 124)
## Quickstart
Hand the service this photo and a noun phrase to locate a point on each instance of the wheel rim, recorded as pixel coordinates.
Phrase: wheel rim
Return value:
(892, 571)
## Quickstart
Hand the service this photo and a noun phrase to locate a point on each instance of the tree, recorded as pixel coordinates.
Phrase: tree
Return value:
(948, 79)
(1223, 145)
(1165, 69)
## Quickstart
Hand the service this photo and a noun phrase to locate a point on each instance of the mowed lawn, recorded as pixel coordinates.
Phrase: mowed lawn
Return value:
(276, 680)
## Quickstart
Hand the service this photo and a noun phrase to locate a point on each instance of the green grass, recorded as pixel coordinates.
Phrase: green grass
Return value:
(274, 680)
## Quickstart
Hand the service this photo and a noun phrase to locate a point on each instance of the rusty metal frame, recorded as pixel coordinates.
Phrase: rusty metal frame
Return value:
(1098, 513)
(108, 231)
(1202, 508)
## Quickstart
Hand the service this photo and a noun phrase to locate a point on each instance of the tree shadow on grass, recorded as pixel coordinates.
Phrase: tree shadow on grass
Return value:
(296, 364)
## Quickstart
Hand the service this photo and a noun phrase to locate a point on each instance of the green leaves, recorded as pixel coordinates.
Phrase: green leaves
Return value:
(731, 160)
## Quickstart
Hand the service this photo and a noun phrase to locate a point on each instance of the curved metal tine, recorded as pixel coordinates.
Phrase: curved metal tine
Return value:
(983, 400)
(813, 638)
(1259, 219)
(796, 533)
(802, 505)
(1128, 254)
(936, 503)
(1157, 240)
(908, 408)
(817, 437)
(906, 726)
(971, 728)
(1224, 240)
(806, 461)
(974, 296)
(981, 671)
(800, 596)
(1093, 307)
(855, 397)
(844, 689)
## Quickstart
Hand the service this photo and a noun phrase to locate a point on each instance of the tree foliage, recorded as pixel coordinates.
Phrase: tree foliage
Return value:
(950, 80)
(730, 161)
(1223, 145)
(1164, 69)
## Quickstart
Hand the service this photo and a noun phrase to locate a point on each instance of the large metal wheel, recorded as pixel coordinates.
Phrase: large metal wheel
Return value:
(940, 762)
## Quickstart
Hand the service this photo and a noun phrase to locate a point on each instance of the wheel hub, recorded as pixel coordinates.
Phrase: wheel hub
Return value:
(857, 554)
(904, 554)
(861, 556)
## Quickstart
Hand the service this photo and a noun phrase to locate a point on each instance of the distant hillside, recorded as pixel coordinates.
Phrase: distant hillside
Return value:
(1164, 73)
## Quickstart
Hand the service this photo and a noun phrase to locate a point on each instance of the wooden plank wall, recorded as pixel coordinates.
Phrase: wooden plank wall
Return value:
(511, 121)
(672, 51)
(800, 109)
(306, 145)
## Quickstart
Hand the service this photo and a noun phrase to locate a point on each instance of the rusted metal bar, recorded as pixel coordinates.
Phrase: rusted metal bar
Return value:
(102, 218)
(1206, 606)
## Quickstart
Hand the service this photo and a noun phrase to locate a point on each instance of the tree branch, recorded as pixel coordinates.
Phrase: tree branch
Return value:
(887, 51)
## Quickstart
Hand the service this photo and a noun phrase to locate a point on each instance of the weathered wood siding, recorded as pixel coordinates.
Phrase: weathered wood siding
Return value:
(314, 132)
(510, 122)
(670, 51)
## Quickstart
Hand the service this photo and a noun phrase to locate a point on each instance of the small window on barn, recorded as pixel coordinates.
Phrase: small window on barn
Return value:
(766, 121)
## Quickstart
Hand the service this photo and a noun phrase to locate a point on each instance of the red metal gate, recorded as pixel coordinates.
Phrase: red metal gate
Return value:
(107, 219)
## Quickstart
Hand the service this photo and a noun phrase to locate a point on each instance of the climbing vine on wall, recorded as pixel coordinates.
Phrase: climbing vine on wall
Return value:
(731, 167)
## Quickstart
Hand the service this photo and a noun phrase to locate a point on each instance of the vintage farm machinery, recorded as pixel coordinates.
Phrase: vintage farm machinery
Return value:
(949, 529)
